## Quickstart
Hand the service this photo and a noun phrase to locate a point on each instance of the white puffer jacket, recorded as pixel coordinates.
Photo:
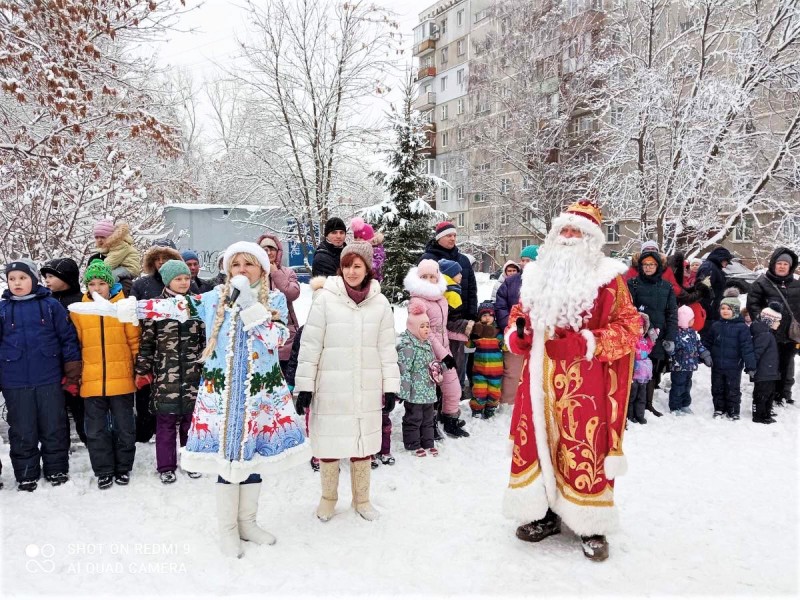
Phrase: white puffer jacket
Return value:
(347, 360)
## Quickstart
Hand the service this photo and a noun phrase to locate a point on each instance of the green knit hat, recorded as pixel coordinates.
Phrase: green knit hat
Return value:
(171, 269)
(733, 304)
(530, 252)
(97, 269)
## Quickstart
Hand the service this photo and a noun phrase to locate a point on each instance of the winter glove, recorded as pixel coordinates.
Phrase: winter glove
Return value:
(449, 362)
(669, 347)
(389, 402)
(245, 298)
(143, 380)
(100, 307)
(706, 358)
(70, 388)
(477, 331)
(521, 327)
(652, 335)
(569, 347)
(468, 330)
(72, 372)
(303, 402)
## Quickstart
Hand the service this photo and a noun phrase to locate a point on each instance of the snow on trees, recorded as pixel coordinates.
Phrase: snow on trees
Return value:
(81, 130)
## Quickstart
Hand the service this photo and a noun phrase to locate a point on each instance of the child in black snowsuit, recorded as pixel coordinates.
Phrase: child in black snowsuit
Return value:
(731, 348)
(765, 347)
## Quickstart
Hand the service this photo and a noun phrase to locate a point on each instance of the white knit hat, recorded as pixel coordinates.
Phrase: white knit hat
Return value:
(249, 248)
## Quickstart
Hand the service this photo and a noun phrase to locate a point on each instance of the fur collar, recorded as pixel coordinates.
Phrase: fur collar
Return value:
(416, 286)
(122, 234)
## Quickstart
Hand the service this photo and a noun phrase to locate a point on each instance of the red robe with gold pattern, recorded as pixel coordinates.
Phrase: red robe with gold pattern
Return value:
(569, 418)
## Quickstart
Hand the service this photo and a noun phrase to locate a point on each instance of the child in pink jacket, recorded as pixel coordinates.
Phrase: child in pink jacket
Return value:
(426, 283)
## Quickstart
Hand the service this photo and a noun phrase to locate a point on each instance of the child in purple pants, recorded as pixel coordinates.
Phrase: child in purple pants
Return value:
(168, 358)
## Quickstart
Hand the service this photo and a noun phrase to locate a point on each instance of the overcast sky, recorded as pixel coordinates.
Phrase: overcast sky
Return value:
(217, 22)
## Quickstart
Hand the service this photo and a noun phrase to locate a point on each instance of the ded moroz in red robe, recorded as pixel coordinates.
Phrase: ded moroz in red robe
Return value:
(569, 416)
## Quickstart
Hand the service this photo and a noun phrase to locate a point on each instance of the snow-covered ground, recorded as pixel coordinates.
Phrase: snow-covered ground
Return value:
(707, 507)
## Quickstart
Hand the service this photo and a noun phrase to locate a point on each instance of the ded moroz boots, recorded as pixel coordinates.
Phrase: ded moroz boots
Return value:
(595, 547)
(359, 477)
(329, 478)
(536, 531)
(249, 531)
(228, 519)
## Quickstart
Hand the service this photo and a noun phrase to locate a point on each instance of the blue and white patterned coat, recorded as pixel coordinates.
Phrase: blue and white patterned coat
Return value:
(244, 421)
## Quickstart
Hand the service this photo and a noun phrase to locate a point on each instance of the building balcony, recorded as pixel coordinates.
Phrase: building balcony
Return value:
(426, 73)
(426, 46)
(425, 101)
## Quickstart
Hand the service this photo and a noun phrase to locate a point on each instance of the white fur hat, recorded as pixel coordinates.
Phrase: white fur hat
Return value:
(250, 248)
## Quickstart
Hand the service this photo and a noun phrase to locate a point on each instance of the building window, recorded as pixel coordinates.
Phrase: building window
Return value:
(444, 139)
(460, 193)
(743, 230)
(526, 242)
(460, 220)
(505, 185)
(791, 228)
(430, 166)
(504, 219)
(528, 182)
(481, 15)
(528, 215)
(612, 233)
(482, 227)
(443, 83)
(616, 115)
(444, 56)
(460, 135)
(461, 48)
(443, 112)
(443, 166)
(460, 18)
(460, 106)
(485, 167)
(445, 194)
(505, 121)
(460, 77)
(479, 197)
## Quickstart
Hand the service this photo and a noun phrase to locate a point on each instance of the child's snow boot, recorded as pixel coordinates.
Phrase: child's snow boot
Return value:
(595, 547)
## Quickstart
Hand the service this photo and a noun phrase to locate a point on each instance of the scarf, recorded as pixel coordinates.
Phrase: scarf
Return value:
(453, 293)
(357, 296)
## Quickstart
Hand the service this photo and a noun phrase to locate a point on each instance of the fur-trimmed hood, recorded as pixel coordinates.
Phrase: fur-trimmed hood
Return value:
(637, 255)
(154, 252)
(122, 234)
(416, 286)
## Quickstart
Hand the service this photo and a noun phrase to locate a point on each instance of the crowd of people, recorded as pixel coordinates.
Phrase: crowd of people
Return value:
(222, 369)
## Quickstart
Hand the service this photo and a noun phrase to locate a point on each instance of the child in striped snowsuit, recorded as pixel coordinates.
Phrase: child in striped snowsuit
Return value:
(487, 373)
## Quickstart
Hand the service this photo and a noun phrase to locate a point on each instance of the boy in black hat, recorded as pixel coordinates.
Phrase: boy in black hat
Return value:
(329, 252)
(62, 278)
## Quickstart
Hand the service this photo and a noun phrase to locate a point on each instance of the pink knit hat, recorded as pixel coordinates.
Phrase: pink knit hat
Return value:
(361, 230)
(428, 267)
(685, 316)
(103, 228)
(417, 315)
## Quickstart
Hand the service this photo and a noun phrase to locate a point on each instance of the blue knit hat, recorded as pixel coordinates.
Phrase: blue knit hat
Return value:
(171, 269)
(449, 267)
(531, 252)
(189, 255)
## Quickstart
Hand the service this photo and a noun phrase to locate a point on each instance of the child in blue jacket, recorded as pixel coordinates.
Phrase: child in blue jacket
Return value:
(39, 353)
(689, 351)
(731, 349)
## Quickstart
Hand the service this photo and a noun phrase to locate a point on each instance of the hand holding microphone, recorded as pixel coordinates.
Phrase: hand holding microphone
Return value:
(242, 294)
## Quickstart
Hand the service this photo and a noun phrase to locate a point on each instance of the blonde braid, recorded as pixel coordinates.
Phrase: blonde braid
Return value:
(263, 295)
(219, 319)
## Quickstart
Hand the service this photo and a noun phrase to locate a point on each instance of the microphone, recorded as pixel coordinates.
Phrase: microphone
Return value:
(234, 295)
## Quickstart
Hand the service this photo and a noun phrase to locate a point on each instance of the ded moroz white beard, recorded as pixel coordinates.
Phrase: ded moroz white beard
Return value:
(558, 289)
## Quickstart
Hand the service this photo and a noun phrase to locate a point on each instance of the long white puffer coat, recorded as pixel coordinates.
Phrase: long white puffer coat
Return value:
(347, 360)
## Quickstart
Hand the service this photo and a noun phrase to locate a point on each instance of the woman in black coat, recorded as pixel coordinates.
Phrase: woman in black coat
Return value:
(655, 297)
(779, 279)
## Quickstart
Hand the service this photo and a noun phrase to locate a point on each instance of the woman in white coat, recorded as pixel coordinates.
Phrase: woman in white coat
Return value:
(347, 362)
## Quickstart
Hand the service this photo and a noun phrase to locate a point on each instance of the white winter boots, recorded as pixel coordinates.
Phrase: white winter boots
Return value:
(237, 507)
(359, 478)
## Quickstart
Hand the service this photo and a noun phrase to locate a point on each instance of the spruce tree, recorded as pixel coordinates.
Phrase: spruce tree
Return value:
(405, 217)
